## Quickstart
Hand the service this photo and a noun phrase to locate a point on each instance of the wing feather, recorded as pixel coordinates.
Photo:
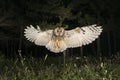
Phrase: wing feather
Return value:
(37, 36)
(82, 36)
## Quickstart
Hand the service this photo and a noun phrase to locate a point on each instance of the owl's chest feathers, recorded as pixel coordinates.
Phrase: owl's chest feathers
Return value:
(57, 41)
(57, 38)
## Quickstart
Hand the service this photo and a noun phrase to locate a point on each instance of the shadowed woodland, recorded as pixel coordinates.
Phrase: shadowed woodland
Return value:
(48, 14)
(22, 60)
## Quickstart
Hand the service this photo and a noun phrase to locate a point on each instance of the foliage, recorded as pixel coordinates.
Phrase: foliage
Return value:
(30, 11)
(76, 68)
(58, 13)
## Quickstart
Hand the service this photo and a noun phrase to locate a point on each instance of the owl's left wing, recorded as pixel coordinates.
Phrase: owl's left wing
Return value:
(82, 36)
(37, 36)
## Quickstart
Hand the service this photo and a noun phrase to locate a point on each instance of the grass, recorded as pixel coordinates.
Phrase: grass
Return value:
(53, 68)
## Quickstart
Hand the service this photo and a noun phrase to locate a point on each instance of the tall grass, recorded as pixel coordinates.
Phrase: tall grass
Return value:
(52, 68)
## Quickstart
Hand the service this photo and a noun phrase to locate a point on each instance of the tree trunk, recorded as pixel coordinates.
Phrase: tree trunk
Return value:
(98, 47)
(20, 40)
(81, 51)
(115, 43)
(64, 57)
(109, 43)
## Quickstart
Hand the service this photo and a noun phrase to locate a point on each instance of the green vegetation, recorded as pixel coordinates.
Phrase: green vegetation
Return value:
(48, 68)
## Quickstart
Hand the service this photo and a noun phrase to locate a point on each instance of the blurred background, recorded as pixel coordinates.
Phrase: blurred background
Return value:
(15, 15)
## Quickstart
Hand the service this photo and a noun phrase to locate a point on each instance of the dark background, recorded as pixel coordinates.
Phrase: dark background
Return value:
(15, 15)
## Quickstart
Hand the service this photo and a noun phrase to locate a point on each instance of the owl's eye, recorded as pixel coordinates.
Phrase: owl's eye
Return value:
(57, 30)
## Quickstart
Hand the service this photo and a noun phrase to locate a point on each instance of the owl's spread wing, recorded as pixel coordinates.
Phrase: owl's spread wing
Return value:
(82, 36)
(37, 36)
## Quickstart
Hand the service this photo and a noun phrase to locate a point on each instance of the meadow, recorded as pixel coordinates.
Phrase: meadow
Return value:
(55, 68)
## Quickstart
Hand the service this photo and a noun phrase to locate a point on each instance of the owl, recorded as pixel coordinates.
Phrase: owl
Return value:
(58, 39)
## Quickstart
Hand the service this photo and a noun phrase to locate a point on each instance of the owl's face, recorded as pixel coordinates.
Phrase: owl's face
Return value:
(59, 32)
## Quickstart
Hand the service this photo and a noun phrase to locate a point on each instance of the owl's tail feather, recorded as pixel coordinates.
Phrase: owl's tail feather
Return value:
(56, 46)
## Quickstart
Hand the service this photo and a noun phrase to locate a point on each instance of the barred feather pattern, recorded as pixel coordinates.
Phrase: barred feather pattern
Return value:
(37, 36)
(31, 33)
(82, 36)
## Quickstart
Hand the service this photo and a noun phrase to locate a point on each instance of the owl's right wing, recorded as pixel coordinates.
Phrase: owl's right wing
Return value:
(82, 36)
(37, 36)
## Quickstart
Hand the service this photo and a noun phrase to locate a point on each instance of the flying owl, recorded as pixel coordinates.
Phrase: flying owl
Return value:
(59, 39)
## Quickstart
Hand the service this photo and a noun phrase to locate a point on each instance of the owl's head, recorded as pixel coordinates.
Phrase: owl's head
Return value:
(59, 32)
